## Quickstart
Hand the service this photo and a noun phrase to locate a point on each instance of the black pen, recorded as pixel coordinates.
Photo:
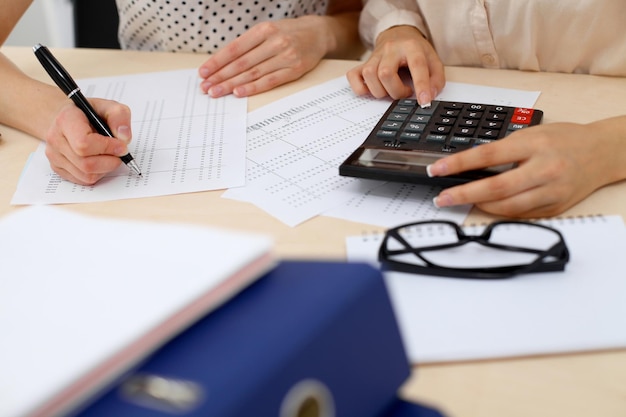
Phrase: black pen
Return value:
(65, 82)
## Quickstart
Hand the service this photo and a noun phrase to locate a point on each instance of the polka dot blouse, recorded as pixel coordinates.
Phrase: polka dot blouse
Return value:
(200, 26)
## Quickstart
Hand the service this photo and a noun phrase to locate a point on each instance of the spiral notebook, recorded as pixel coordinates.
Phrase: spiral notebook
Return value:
(579, 309)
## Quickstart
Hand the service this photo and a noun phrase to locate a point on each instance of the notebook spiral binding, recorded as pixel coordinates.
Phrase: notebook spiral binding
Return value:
(376, 235)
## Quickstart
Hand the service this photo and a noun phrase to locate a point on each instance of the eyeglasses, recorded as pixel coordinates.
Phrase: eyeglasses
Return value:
(502, 250)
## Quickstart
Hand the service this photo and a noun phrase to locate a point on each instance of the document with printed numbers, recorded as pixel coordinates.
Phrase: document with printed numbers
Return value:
(295, 147)
(183, 141)
(579, 309)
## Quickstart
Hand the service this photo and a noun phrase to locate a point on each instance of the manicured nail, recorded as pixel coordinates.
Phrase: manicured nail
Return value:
(437, 169)
(424, 100)
(205, 85)
(239, 92)
(215, 91)
(443, 200)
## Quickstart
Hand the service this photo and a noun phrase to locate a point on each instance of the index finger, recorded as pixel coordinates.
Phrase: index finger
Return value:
(230, 52)
(500, 152)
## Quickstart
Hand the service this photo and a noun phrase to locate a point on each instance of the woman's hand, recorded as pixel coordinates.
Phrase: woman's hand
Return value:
(77, 153)
(267, 55)
(396, 48)
(559, 165)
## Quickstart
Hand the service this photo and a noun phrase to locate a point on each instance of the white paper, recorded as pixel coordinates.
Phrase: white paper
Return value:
(183, 141)
(295, 147)
(582, 308)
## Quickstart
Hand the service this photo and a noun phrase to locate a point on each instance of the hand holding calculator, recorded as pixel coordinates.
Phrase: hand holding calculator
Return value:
(408, 138)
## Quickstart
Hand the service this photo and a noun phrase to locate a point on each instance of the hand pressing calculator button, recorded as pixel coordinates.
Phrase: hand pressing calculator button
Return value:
(408, 138)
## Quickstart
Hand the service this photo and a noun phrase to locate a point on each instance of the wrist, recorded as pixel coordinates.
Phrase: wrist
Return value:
(611, 135)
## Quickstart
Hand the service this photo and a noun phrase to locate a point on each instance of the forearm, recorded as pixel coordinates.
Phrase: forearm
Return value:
(27, 104)
(611, 140)
(343, 30)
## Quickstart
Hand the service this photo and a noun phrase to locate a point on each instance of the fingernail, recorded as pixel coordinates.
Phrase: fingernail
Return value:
(123, 133)
(205, 85)
(239, 92)
(437, 169)
(443, 200)
(204, 72)
(215, 91)
(424, 100)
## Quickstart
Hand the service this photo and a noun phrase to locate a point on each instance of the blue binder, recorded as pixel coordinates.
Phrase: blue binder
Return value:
(309, 337)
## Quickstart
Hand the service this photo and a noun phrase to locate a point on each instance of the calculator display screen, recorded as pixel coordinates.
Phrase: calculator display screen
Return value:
(408, 160)
(373, 157)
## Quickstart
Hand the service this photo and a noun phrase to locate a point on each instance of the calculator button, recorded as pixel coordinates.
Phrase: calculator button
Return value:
(436, 138)
(407, 102)
(482, 141)
(420, 118)
(445, 121)
(410, 135)
(402, 109)
(460, 140)
(391, 125)
(496, 116)
(450, 113)
(476, 107)
(469, 123)
(426, 110)
(490, 124)
(521, 111)
(452, 105)
(516, 126)
(465, 131)
(397, 116)
(518, 118)
(415, 127)
(386, 134)
(441, 129)
(488, 133)
(472, 114)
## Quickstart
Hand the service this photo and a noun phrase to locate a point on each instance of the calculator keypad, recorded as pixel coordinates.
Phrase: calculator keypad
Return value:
(448, 126)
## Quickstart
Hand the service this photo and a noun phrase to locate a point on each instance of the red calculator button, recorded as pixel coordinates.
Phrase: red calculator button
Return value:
(522, 115)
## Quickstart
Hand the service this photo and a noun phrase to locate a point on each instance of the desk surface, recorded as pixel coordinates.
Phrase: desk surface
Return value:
(561, 385)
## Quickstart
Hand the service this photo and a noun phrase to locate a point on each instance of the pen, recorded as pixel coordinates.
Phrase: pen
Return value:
(65, 82)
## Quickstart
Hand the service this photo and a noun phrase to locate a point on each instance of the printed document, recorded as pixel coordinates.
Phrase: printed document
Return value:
(183, 141)
(295, 147)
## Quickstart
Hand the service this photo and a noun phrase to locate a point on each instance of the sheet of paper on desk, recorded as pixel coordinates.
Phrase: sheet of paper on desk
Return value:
(295, 147)
(580, 309)
(183, 141)
(83, 299)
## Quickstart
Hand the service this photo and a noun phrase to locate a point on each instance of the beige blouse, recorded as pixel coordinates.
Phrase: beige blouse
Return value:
(574, 36)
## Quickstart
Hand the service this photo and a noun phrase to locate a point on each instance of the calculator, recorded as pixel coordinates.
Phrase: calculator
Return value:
(408, 138)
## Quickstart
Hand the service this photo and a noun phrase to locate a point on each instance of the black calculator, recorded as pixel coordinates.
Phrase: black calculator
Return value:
(408, 138)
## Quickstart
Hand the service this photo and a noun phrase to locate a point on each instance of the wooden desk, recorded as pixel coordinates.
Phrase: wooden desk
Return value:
(561, 385)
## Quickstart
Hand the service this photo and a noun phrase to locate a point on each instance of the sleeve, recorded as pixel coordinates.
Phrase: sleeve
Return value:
(379, 15)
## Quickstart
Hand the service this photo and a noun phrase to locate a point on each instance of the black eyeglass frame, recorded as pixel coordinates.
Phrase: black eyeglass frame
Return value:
(548, 260)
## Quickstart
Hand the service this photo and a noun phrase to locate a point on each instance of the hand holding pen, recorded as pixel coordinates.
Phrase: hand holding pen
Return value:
(65, 82)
